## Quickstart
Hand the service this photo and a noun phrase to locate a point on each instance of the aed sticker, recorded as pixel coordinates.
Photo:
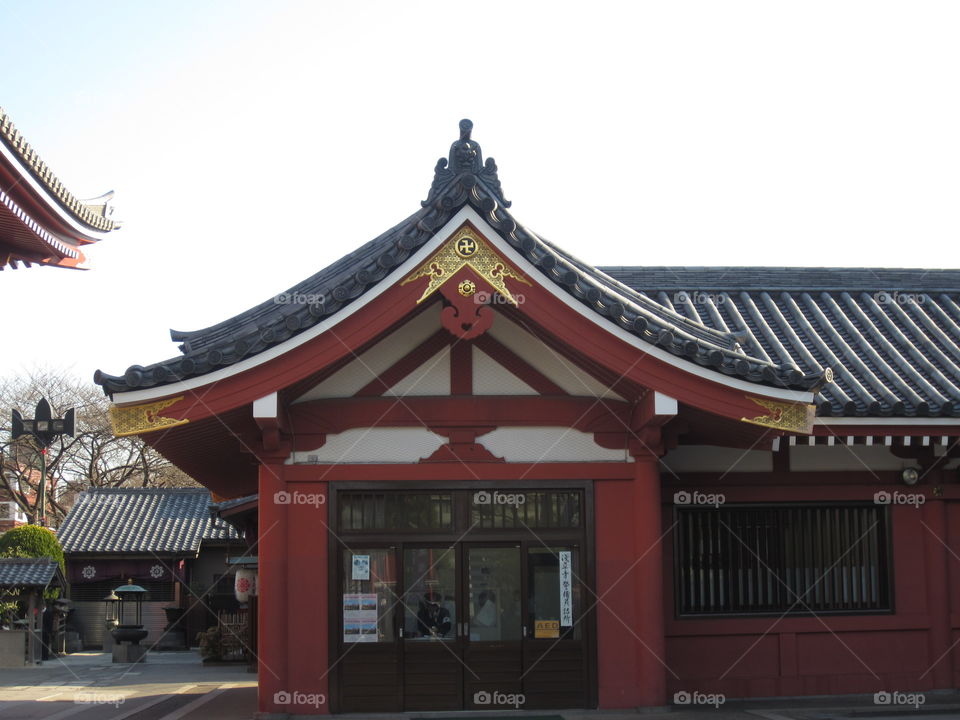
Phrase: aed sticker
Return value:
(546, 629)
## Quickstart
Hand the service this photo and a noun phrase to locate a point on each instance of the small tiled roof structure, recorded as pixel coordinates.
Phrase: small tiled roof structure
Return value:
(41, 221)
(785, 328)
(171, 521)
(226, 505)
(27, 572)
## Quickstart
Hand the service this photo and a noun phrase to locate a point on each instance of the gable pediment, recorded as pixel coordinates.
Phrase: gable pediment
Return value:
(422, 359)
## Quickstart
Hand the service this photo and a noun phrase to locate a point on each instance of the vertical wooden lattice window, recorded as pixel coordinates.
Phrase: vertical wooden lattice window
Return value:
(781, 559)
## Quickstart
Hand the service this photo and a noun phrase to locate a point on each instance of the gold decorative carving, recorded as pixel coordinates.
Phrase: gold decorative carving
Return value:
(138, 419)
(466, 248)
(794, 417)
(467, 288)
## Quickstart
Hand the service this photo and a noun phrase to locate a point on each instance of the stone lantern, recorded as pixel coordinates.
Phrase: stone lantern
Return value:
(129, 630)
(109, 619)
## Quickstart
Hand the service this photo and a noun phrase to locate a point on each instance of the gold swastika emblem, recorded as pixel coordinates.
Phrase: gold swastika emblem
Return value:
(466, 247)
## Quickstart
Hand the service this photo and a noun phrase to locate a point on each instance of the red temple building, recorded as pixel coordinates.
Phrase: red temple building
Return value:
(488, 475)
(41, 222)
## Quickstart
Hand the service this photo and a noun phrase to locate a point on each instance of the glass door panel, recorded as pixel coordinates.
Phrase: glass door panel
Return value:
(369, 595)
(553, 585)
(494, 600)
(430, 593)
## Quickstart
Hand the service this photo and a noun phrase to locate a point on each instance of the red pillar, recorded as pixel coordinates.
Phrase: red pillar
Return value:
(273, 681)
(616, 609)
(307, 598)
(938, 601)
(648, 578)
(630, 623)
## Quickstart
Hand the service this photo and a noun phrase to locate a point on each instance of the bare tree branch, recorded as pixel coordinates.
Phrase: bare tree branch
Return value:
(94, 457)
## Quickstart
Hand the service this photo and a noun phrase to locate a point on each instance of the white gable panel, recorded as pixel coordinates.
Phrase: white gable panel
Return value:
(349, 379)
(492, 378)
(547, 444)
(431, 378)
(545, 359)
(373, 445)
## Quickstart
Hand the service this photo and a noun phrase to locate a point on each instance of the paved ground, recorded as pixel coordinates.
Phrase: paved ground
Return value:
(87, 686)
(176, 686)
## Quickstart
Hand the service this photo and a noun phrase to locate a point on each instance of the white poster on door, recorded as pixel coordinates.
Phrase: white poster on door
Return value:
(566, 589)
(361, 567)
(359, 617)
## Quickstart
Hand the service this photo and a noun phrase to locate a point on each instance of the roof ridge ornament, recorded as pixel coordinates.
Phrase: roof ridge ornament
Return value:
(465, 166)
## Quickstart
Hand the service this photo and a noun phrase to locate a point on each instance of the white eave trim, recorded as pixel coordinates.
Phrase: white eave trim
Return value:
(411, 264)
(36, 228)
(84, 231)
(888, 422)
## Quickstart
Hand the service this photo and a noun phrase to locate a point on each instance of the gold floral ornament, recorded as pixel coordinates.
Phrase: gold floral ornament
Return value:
(467, 288)
(138, 419)
(794, 417)
(466, 249)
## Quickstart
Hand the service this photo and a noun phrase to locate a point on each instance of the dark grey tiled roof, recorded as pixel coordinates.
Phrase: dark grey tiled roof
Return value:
(892, 337)
(138, 520)
(27, 572)
(783, 327)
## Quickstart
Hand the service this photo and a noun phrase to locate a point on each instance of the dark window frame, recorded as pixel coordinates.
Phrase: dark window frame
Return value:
(797, 554)
(563, 510)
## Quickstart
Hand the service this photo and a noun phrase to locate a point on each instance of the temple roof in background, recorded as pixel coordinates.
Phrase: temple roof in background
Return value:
(41, 221)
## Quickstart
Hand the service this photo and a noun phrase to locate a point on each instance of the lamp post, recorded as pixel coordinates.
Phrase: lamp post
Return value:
(45, 429)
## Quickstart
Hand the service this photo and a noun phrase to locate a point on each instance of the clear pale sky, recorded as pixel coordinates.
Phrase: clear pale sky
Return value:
(252, 143)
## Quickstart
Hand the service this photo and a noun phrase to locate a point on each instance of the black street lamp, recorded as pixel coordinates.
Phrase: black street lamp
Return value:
(45, 428)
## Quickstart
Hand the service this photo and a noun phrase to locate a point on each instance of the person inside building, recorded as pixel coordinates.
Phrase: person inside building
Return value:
(432, 619)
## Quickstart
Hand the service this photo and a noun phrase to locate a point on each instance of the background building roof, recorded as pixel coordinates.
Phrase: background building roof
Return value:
(27, 572)
(138, 520)
(891, 337)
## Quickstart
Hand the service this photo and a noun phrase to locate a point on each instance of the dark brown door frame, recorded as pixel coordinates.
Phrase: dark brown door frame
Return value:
(586, 540)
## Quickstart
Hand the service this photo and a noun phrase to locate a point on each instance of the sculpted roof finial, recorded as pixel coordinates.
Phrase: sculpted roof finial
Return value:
(464, 166)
